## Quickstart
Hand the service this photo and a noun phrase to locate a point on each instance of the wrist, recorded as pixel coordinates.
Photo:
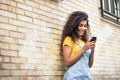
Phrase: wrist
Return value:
(92, 50)
(82, 50)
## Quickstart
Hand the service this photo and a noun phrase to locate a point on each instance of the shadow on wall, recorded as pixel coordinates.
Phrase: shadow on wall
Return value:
(40, 62)
(107, 45)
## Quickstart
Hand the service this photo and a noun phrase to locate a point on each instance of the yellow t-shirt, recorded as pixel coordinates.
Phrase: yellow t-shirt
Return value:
(75, 47)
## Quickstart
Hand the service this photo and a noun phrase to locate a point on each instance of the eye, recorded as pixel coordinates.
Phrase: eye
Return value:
(85, 25)
(80, 25)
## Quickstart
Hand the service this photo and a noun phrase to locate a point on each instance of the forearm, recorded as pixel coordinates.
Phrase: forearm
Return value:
(74, 58)
(91, 58)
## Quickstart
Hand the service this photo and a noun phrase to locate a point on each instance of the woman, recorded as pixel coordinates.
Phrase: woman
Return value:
(77, 50)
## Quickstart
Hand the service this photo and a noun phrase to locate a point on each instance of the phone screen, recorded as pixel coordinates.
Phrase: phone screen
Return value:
(93, 39)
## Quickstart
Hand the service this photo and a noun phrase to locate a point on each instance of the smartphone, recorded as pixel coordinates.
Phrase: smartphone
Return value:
(93, 39)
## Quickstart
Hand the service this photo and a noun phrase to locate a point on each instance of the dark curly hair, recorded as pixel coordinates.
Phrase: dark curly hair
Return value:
(71, 27)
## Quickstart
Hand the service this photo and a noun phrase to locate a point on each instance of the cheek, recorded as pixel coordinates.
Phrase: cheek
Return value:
(79, 28)
(85, 28)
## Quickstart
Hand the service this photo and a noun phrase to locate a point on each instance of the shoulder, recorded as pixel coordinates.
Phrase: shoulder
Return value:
(68, 41)
(68, 38)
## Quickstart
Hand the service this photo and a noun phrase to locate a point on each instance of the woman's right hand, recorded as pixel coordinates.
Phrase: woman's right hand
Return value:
(88, 45)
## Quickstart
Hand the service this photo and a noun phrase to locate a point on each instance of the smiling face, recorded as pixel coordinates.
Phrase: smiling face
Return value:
(82, 28)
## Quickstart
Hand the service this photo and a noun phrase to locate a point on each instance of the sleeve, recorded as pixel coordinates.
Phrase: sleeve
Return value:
(68, 41)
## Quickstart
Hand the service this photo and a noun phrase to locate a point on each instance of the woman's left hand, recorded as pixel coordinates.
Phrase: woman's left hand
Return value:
(93, 46)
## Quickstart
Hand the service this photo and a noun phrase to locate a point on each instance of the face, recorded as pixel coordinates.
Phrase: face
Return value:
(82, 27)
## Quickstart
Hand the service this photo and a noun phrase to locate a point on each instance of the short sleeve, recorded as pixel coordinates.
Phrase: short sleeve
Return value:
(68, 41)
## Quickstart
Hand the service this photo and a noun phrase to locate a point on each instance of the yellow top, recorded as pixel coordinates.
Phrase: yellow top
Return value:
(75, 47)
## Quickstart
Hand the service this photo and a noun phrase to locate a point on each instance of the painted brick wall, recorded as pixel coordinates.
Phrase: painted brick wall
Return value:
(30, 32)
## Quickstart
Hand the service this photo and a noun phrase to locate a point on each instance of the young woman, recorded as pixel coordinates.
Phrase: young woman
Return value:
(77, 50)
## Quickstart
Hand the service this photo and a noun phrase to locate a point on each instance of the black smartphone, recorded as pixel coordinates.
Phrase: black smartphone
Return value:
(93, 39)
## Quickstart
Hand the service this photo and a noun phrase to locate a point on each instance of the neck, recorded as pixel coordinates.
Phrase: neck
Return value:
(79, 37)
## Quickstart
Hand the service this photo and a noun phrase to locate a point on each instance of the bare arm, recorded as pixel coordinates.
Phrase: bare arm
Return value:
(91, 58)
(68, 60)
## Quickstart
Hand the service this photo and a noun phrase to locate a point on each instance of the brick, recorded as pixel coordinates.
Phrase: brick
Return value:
(34, 15)
(40, 78)
(6, 59)
(40, 2)
(4, 46)
(3, 19)
(28, 42)
(3, 6)
(16, 22)
(48, 72)
(27, 54)
(1, 59)
(8, 39)
(8, 27)
(50, 5)
(34, 72)
(19, 72)
(7, 14)
(30, 48)
(9, 53)
(14, 47)
(31, 78)
(24, 30)
(9, 2)
(57, 78)
(53, 16)
(27, 78)
(39, 11)
(31, 3)
(12, 9)
(62, 9)
(10, 78)
(37, 21)
(58, 13)
(20, 11)
(32, 26)
(18, 60)
(43, 67)
(45, 18)
(48, 45)
(25, 7)
(4, 72)
(46, 29)
(33, 60)
(45, 8)
(9, 66)
(24, 18)
(22, 66)
(53, 72)
(42, 33)
(17, 35)
(50, 40)
(26, 66)
(30, 14)
(55, 31)
(24, 78)
(58, 68)
(21, 1)
(4, 32)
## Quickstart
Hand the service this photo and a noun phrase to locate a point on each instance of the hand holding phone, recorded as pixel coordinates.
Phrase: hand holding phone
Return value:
(93, 39)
